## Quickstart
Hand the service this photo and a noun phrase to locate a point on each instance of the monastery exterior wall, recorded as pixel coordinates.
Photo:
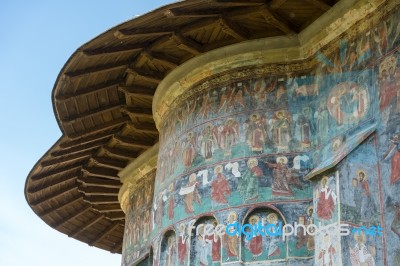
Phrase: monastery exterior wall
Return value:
(277, 134)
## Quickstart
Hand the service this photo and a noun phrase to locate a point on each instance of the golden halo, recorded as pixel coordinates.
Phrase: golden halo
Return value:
(254, 217)
(272, 218)
(182, 227)
(233, 215)
(326, 179)
(362, 171)
(252, 161)
(218, 169)
(310, 208)
(285, 159)
(360, 237)
(257, 116)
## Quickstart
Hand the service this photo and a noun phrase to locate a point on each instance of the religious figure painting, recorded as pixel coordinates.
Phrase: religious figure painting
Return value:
(326, 199)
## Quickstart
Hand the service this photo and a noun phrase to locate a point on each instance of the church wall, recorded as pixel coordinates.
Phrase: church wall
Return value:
(268, 142)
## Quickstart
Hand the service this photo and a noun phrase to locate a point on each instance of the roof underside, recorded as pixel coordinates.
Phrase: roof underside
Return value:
(103, 98)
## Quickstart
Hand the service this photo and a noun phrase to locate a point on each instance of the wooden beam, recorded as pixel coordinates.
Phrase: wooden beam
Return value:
(99, 191)
(165, 60)
(198, 25)
(141, 33)
(101, 172)
(67, 158)
(147, 75)
(116, 216)
(97, 69)
(232, 29)
(135, 47)
(187, 44)
(56, 171)
(144, 128)
(233, 3)
(109, 162)
(86, 226)
(138, 91)
(276, 21)
(101, 199)
(275, 4)
(79, 149)
(108, 208)
(120, 153)
(103, 234)
(90, 90)
(133, 142)
(174, 13)
(92, 112)
(91, 181)
(72, 216)
(141, 112)
(71, 202)
(52, 182)
(89, 139)
(319, 4)
(54, 194)
(100, 128)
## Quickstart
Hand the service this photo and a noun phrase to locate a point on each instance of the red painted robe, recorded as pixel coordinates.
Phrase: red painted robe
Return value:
(182, 249)
(171, 207)
(327, 256)
(325, 204)
(215, 247)
(220, 189)
(255, 246)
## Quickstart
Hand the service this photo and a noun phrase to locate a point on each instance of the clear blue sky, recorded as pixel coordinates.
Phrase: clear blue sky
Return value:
(37, 38)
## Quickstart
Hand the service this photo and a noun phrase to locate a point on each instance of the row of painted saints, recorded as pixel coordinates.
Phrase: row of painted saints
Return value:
(245, 177)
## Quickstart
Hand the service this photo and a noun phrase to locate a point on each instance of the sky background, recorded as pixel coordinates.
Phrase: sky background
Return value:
(37, 38)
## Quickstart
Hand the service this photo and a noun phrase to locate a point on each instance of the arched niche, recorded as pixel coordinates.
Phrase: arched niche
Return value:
(169, 251)
(259, 246)
(205, 243)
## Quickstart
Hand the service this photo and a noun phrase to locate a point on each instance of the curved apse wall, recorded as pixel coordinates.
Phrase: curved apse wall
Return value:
(242, 144)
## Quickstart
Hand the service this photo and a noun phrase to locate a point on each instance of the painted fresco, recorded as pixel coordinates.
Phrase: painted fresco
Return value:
(242, 149)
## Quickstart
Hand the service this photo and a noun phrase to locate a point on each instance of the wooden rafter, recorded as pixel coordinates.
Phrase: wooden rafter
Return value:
(52, 182)
(101, 199)
(120, 153)
(101, 172)
(108, 208)
(136, 47)
(173, 12)
(141, 112)
(275, 4)
(199, 25)
(319, 4)
(103, 234)
(91, 181)
(144, 128)
(99, 191)
(141, 33)
(54, 194)
(165, 60)
(232, 29)
(89, 139)
(67, 158)
(79, 149)
(116, 216)
(108, 162)
(56, 171)
(147, 75)
(100, 128)
(86, 226)
(133, 142)
(187, 44)
(62, 206)
(97, 69)
(92, 112)
(233, 3)
(72, 216)
(91, 90)
(138, 91)
(276, 21)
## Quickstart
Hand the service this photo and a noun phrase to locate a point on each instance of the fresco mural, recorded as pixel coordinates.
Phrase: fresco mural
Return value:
(244, 149)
